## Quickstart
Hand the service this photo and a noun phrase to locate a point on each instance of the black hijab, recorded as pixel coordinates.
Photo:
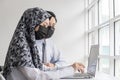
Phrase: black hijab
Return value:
(22, 50)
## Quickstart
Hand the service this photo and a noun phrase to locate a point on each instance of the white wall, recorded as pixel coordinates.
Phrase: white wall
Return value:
(69, 34)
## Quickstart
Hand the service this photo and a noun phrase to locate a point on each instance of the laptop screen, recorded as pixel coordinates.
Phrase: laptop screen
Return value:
(92, 59)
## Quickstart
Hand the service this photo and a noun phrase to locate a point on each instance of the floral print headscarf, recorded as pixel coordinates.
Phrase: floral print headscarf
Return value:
(22, 50)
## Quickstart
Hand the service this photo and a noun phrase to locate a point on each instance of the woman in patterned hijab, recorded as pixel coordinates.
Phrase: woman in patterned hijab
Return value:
(23, 50)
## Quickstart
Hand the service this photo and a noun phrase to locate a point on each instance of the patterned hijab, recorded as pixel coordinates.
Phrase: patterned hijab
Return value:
(22, 50)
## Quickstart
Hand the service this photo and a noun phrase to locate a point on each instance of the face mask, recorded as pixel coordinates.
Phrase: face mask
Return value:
(50, 31)
(44, 32)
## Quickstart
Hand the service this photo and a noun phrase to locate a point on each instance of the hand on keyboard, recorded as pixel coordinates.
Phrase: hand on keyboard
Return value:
(78, 67)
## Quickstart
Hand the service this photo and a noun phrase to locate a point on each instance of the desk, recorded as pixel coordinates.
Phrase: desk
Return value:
(55, 75)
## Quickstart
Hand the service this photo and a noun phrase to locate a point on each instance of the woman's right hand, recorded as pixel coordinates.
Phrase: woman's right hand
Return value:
(78, 67)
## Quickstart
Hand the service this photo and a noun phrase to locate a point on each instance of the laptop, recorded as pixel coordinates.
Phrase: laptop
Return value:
(91, 68)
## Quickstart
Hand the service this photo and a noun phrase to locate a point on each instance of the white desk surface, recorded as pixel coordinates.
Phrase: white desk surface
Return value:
(55, 75)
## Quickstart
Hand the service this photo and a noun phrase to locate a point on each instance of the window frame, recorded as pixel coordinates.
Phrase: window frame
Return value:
(111, 23)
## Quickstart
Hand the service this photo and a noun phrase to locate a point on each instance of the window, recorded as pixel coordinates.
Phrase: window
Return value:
(117, 69)
(117, 7)
(90, 1)
(104, 29)
(104, 40)
(93, 17)
(104, 49)
(104, 65)
(93, 39)
(103, 11)
(117, 48)
(117, 38)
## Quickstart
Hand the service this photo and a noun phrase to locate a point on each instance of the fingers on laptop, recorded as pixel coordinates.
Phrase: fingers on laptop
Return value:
(81, 65)
(78, 67)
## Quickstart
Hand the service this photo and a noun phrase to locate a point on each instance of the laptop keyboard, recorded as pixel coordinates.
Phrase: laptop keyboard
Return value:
(85, 75)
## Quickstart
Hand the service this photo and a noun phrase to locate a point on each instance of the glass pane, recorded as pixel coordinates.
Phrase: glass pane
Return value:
(104, 41)
(93, 17)
(104, 66)
(117, 38)
(117, 7)
(117, 69)
(93, 38)
(103, 11)
(90, 1)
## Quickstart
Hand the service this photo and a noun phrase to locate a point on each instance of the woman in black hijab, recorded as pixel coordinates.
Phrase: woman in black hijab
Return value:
(23, 51)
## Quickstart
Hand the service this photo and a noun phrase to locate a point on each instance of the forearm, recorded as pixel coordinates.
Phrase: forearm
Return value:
(29, 73)
(52, 66)
(60, 64)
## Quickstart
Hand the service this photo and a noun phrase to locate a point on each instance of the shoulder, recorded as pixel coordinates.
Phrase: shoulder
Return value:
(49, 41)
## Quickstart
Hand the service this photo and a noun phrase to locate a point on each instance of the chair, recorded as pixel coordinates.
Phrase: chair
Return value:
(0, 68)
(1, 76)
